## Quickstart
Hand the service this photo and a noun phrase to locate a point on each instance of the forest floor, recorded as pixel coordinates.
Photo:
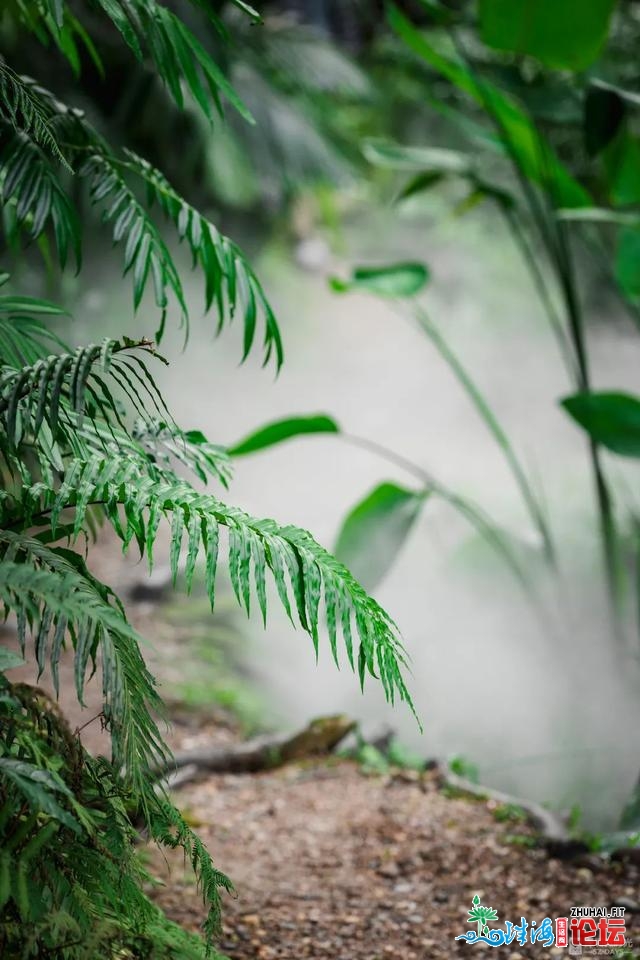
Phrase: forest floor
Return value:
(332, 863)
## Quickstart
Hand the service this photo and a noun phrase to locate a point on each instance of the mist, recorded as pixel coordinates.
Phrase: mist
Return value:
(537, 694)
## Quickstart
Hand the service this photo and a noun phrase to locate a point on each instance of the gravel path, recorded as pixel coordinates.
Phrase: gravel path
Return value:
(331, 863)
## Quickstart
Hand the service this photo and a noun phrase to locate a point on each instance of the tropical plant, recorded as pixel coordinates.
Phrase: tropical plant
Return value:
(568, 196)
(290, 74)
(86, 439)
(539, 198)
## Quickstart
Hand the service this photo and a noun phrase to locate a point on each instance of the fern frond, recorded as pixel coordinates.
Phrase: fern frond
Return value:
(33, 195)
(24, 338)
(53, 594)
(230, 283)
(25, 107)
(145, 253)
(153, 32)
(307, 578)
(56, 798)
(166, 443)
(171, 829)
(56, 390)
(31, 192)
(151, 29)
(40, 788)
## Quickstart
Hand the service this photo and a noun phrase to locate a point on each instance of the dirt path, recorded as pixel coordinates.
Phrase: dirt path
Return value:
(331, 863)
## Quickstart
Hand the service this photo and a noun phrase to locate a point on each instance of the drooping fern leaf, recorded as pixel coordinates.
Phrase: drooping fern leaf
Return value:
(66, 829)
(85, 437)
(24, 338)
(26, 107)
(153, 32)
(307, 578)
(52, 597)
(230, 282)
(55, 390)
(145, 251)
(33, 197)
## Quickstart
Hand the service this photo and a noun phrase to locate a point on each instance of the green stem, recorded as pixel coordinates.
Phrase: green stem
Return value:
(555, 242)
(528, 255)
(472, 513)
(493, 425)
(604, 499)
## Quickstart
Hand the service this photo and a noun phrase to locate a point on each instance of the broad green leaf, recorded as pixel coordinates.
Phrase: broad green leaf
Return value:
(9, 659)
(375, 530)
(604, 112)
(611, 419)
(534, 157)
(565, 34)
(282, 430)
(383, 153)
(622, 167)
(628, 261)
(394, 280)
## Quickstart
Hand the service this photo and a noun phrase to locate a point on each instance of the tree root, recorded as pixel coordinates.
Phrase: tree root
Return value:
(320, 737)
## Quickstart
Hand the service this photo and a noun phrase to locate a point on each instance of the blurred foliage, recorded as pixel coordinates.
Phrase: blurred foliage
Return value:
(304, 91)
(86, 439)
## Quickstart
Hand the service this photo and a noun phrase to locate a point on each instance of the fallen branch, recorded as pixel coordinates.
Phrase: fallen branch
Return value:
(320, 737)
(554, 836)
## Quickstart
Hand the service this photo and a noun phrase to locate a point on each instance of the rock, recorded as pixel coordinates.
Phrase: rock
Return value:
(152, 587)
(402, 887)
(630, 905)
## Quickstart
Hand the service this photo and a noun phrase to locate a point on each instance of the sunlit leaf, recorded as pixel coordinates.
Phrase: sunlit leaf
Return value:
(629, 97)
(383, 153)
(599, 215)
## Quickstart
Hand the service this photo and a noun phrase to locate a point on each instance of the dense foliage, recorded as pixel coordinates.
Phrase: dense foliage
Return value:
(86, 439)
(527, 112)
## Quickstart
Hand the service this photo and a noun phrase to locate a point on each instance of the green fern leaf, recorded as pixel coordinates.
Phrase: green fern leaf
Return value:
(26, 107)
(316, 578)
(31, 191)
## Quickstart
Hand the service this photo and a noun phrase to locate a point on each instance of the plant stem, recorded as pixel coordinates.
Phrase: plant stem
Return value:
(543, 210)
(603, 494)
(493, 425)
(528, 255)
(472, 513)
